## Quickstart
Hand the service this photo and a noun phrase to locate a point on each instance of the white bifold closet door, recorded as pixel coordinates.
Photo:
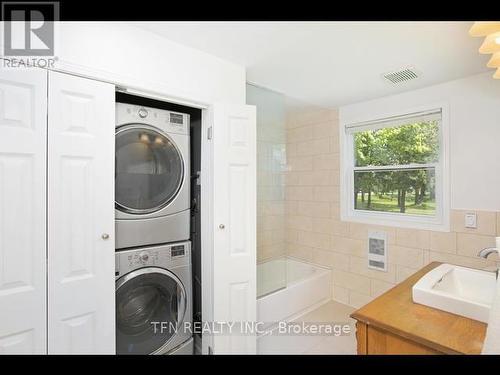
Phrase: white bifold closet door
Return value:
(234, 255)
(23, 137)
(81, 292)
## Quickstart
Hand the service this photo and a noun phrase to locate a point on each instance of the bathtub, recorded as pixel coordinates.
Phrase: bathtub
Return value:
(290, 287)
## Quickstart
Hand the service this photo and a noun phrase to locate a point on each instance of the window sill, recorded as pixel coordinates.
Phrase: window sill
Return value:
(396, 220)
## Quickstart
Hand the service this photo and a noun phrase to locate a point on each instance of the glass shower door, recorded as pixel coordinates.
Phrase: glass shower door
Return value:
(271, 168)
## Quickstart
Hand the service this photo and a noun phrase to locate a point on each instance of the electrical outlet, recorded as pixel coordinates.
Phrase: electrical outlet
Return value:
(471, 220)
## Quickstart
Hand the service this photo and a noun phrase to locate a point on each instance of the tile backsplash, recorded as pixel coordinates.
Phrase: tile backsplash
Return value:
(315, 233)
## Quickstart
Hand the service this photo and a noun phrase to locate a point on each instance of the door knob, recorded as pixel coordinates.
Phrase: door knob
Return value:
(105, 236)
(221, 226)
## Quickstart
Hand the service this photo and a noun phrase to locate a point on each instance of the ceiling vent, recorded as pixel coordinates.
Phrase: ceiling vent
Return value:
(401, 75)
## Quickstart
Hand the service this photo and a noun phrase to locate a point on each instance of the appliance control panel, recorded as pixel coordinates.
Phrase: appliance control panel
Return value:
(166, 256)
(143, 258)
(168, 121)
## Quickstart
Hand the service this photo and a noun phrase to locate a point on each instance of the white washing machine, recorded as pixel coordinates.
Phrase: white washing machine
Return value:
(154, 300)
(152, 176)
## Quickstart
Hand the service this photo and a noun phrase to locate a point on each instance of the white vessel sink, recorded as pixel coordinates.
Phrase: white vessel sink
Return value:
(459, 290)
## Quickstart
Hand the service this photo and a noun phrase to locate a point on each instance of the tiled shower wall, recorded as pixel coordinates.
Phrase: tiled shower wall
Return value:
(315, 233)
(271, 166)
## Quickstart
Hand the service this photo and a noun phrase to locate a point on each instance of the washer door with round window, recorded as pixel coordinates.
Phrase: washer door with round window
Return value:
(150, 310)
(149, 169)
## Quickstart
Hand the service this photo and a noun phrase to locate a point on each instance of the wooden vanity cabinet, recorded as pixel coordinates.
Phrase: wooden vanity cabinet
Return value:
(393, 324)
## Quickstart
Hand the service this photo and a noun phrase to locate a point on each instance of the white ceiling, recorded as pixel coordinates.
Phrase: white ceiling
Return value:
(334, 63)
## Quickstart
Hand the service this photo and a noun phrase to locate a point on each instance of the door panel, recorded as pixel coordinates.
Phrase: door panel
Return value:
(23, 137)
(234, 275)
(81, 309)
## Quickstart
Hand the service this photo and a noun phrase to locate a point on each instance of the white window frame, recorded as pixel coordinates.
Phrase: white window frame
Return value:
(439, 222)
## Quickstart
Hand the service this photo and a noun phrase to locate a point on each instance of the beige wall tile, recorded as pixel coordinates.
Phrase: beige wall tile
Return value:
(348, 246)
(351, 281)
(292, 235)
(360, 231)
(443, 242)
(299, 251)
(299, 222)
(300, 163)
(341, 294)
(486, 222)
(335, 211)
(427, 257)
(336, 179)
(299, 193)
(326, 162)
(272, 222)
(413, 238)
(334, 143)
(316, 178)
(322, 225)
(359, 266)
(291, 178)
(326, 193)
(314, 147)
(406, 256)
(358, 300)
(323, 130)
(316, 240)
(313, 209)
(402, 273)
(291, 207)
(314, 116)
(331, 259)
(470, 244)
(473, 262)
(315, 233)
(299, 134)
(379, 287)
(291, 149)
(340, 228)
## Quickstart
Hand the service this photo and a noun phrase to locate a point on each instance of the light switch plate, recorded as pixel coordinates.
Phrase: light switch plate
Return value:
(471, 220)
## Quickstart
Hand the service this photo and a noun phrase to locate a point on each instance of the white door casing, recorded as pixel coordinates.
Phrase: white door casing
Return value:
(81, 285)
(234, 205)
(23, 136)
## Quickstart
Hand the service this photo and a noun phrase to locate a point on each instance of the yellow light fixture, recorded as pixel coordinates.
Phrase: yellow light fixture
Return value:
(484, 28)
(494, 61)
(491, 43)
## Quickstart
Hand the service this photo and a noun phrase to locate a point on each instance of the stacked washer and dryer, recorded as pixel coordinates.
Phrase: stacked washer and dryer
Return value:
(153, 251)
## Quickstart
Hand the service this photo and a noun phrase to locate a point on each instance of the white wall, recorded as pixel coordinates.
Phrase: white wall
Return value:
(474, 121)
(129, 55)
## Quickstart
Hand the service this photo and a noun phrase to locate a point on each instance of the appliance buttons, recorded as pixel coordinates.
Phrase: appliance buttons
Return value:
(142, 113)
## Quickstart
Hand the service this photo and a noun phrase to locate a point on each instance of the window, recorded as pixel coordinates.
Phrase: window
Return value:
(393, 170)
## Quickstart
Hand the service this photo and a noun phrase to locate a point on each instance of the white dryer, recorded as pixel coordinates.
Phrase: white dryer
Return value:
(154, 300)
(152, 176)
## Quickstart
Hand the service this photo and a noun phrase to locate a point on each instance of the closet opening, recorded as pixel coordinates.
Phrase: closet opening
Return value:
(147, 181)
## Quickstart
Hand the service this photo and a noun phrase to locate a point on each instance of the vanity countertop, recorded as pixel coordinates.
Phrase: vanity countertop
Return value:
(395, 312)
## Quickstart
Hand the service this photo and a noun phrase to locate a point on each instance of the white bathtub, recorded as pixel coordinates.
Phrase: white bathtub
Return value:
(289, 288)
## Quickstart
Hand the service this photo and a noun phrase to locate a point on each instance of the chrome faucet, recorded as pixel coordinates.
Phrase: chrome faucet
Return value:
(484, 253)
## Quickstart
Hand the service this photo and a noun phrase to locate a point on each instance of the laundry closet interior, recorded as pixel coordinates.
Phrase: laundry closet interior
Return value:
(158, 244)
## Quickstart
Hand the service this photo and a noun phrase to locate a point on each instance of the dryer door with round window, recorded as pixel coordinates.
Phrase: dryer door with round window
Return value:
(149, 169)
(150, 309)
